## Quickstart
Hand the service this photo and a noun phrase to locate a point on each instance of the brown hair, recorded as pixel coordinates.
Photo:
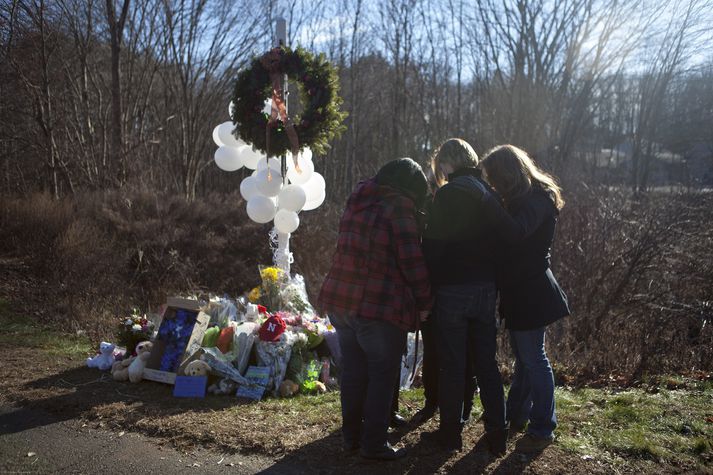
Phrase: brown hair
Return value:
(455, 152)
(512, 173)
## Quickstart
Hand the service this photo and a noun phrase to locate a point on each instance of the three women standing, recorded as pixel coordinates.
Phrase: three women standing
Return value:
(379, 288)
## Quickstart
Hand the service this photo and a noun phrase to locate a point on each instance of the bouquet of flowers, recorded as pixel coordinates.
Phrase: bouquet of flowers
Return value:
(268, 293)
(133, 330)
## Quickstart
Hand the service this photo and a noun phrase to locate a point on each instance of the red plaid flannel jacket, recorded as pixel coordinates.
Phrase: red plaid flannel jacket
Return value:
(378, 270)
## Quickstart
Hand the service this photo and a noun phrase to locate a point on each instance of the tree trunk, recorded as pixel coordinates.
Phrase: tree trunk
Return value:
(116, 32)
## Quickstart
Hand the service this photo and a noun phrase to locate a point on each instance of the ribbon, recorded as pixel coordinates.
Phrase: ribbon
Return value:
(271, 61)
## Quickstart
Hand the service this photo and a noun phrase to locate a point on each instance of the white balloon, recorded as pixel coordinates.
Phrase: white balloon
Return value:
(251, 157)
(273, 163)
(227, 158)
(261, 209)
(216, 137)
(307, 168)
(248, 188)
(254, 173)
(305, 155)
(314, 185)
(286, 221)
(268, 106)
(292, 198)
(316, 203)
(269, 186)
(225, 133)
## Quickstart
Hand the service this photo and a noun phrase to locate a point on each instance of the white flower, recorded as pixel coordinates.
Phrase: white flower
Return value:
(136, 327)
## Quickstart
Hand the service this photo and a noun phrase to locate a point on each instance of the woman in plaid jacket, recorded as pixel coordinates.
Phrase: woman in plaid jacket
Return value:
(375, 292)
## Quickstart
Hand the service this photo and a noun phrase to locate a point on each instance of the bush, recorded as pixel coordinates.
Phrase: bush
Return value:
(637, 270)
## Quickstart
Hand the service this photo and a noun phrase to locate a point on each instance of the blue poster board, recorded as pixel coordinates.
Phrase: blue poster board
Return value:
(259, 376)
(190, 386)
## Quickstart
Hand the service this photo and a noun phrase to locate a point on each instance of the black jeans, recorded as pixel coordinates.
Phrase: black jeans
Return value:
(371, 361)
(466, 329)
(429, 373)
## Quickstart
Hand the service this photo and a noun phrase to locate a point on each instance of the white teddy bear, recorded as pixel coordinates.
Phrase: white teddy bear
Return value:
(104, 359)
(136, 368)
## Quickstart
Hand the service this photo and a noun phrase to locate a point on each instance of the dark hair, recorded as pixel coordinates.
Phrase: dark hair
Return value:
(406, 176)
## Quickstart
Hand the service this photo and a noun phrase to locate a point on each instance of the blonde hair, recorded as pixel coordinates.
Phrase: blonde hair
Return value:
(512, 173)
(455, 152)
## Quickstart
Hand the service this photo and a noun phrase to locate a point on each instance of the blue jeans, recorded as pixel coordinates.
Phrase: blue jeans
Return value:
(466, 328)
(532, 394)
(371, 362)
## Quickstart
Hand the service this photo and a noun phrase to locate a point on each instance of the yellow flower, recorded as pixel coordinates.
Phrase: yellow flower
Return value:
(254, 295)
(271, 274)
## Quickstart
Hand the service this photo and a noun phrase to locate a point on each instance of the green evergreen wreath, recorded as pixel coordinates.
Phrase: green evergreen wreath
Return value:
(318, 85)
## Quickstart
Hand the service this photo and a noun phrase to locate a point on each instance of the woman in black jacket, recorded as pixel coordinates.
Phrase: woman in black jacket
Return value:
(530, 298)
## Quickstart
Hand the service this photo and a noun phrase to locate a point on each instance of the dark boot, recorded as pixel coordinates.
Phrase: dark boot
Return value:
(384, 453)
(497, 441)
(424, 414)
(441, 440)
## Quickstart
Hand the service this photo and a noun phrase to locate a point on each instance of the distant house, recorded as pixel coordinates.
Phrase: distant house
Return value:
(693, 168)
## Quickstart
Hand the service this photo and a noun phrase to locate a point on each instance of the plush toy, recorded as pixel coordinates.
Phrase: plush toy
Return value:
(136, 368)
(289, 388)
(120, 369)
(320, 387)
(224, 386)
(197, 368)
(104, 359)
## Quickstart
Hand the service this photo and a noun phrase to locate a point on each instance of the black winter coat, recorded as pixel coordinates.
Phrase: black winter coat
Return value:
(459, 244)
(530, 296)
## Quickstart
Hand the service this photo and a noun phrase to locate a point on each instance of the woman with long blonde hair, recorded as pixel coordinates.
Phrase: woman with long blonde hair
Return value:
(530, 297)
(459, 247)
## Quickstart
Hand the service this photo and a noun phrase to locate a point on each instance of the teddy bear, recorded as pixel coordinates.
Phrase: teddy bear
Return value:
(197, 368)
(120, 369)
(289, 388)
(104, 359)
(320, 387)
(136, 368)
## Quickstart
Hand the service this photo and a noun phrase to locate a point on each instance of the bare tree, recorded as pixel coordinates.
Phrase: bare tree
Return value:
(673, 48)
(204, 43)
(116, 36)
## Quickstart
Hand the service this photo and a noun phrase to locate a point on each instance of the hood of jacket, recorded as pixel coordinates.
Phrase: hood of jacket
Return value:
(369, 193)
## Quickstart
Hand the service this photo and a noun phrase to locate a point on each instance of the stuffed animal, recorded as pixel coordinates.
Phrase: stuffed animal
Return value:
(136, 368)
(320, 387)
(197, 368)
(120, 369)
(104, 359)
(288, 388)
(224, 386)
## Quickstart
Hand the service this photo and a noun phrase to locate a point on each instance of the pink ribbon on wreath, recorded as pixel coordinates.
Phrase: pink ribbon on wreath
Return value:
(271, 62)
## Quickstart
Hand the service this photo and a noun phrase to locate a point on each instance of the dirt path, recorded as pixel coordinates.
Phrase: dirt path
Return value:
(34, 441)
